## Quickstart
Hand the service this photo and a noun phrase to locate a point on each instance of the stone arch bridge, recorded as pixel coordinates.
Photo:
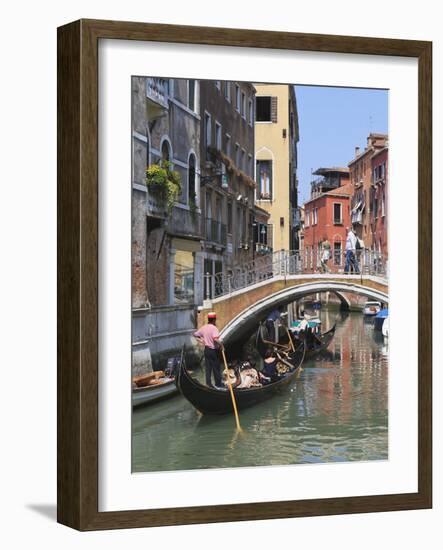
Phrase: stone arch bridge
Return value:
(239, 311)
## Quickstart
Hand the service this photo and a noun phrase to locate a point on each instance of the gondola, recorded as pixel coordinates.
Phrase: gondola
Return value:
(213, 401)
(314, 344)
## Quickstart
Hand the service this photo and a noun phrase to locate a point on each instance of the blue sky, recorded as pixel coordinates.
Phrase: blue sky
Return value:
(333, 121)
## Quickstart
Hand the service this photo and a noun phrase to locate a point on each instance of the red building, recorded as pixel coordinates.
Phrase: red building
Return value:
(327, 215)
(361, 175)
(378, 213)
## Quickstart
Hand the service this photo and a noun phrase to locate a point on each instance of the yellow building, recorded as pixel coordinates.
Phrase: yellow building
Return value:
(276, 137)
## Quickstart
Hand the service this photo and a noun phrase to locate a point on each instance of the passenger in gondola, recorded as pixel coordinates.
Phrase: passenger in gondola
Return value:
(209, 336)
(269, 372)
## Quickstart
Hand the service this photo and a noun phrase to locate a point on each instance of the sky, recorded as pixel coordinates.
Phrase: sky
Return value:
(332, 122)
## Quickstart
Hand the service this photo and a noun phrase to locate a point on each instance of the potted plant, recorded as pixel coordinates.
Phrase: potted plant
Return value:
(164, 182)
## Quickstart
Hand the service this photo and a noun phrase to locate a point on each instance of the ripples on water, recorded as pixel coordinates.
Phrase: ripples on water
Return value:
(336, 411)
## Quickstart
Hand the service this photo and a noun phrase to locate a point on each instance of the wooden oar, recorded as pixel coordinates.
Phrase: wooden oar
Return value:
(231, 391)
(290, 339)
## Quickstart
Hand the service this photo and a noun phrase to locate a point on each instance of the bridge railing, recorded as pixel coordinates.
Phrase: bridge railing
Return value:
(289, 262)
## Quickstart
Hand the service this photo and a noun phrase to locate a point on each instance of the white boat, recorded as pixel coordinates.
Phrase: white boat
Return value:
(149, 394)
(371, 308)
(385, 328)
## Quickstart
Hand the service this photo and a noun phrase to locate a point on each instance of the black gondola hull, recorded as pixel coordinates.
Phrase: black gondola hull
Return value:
(216, 402)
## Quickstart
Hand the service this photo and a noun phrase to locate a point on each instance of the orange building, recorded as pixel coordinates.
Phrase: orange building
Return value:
(327, 215)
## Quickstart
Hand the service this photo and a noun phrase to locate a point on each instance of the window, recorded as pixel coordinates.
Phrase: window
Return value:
(237, 97)
(228, 145)
(208, 133)
(228, 91)
(218, 136)
(243, 105)
(191, 180)
(229, 217)
(264, 176)
(237, 155)
(315, 215)
(243, 160)
(337, 253)
(250, 167)
(383, 205)
(251, 112)
(263, 109)
(337, 213)
(218, 84)
(306, 218)
(184, 277)
(166, 153)
(191, 95)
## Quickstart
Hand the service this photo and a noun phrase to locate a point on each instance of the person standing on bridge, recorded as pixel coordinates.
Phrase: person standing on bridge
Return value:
(325, 255)
(209, 336)
(351, 245)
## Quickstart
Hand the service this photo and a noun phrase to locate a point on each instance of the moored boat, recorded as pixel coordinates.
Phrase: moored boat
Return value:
(150, 394)
(218, 401)
(379, 319)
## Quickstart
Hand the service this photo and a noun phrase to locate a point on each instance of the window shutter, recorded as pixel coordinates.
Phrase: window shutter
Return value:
(273, 109)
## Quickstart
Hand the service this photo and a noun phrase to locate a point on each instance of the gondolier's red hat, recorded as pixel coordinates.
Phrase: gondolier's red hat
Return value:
(212, 315)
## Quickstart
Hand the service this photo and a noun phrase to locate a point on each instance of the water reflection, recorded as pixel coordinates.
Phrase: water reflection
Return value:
(335, 411)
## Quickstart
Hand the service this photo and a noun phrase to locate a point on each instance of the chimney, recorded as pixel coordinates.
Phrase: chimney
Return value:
(357, 151)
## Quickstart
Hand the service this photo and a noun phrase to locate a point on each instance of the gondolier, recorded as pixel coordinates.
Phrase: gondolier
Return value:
(209, 336)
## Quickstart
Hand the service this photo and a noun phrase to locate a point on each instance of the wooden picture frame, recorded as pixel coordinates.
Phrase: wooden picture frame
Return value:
(78, 273)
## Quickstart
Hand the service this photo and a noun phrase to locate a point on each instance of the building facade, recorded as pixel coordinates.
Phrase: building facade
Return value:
(378, 218)
(227, 176)
(167, 260)
(361, 175)
(276, 138)
(326, 218)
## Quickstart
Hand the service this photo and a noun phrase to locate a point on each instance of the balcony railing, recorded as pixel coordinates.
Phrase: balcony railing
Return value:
(215, 231)
(157, 89)
(185, 222)
(296, 217)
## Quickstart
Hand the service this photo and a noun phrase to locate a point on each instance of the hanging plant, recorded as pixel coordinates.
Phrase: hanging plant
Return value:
(164, 182)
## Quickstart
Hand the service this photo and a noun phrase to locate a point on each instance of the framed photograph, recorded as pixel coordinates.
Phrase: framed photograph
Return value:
(244, 275)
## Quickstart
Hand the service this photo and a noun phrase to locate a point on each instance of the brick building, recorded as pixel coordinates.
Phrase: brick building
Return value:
(326, 217)
(378, 218)
(361, 175)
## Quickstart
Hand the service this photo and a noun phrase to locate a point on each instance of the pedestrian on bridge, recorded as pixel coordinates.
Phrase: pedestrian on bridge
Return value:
(351, 263)
(209, 336)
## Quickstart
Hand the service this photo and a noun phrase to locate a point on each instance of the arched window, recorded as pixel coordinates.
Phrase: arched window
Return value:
(166, 151)
(191, 180)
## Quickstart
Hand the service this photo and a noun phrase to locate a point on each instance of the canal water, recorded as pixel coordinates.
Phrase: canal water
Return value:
(336, 411)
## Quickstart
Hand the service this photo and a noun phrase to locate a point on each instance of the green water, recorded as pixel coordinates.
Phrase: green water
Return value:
(336, 411)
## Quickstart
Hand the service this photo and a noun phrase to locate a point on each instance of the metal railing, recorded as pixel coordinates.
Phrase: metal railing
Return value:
(306, 262)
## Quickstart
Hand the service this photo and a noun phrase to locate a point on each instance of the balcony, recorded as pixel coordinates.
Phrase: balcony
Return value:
(296, 217)
(215, 231)
(157, 90)
(321, 185)
(155, 204)
(183, 222)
